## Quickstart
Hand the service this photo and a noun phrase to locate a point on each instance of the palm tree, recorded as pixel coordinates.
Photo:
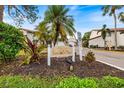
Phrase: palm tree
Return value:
(111, 10)
(121, 17)
(19, 13)
(44, 33)
(104, 31)
(60, 21)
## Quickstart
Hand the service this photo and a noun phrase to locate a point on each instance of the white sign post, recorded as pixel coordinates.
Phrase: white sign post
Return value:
(49, 56)
(73, 54)
(80, 45)
(80, 52)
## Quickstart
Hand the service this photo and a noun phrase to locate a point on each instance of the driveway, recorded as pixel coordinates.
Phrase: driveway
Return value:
(115, 59)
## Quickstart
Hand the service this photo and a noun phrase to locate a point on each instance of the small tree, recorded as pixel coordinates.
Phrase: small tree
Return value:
(85, 39)
(32, 51)
(10, 41)
(90, 57)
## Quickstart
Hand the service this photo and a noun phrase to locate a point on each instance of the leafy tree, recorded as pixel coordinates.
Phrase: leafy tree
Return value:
(104, 31)
(86, 38)
(62, 23)
(20, 12)
(10, 41)
(111, 10)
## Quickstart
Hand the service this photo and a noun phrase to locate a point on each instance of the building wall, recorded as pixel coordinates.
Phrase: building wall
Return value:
(29, 35)
(97, 41)
(60, 43)
(71, 41)
(94, 34)
(120, 39)
(111, 39)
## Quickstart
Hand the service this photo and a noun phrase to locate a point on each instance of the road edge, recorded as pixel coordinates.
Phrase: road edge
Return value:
(111, 65)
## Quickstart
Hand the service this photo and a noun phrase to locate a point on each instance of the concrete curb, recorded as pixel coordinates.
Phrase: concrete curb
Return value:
(111, 65)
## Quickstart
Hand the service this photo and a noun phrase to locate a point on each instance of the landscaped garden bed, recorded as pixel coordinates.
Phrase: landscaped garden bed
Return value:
(60, 67)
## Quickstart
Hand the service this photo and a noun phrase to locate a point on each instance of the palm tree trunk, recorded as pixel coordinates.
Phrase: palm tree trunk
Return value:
(104, 44)
(57, 33)
(1, 12)
(115, 31)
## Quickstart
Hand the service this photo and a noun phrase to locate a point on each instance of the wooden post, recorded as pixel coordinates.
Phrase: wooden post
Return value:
(49, 56)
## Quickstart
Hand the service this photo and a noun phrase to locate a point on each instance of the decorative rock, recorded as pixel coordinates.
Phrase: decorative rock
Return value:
(71, 68)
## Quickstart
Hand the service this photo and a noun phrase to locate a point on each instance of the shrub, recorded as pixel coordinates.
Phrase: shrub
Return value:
(20, 82)
(89, 83)
(75, 82)
(10, 41)
(27, 82)
(89, 57)
(72, 82)
(94, 46)
(111, 82)
(121, 47)
(32, 51)
(59, 82)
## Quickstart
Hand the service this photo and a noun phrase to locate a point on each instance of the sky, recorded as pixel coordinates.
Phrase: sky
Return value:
(86, 18)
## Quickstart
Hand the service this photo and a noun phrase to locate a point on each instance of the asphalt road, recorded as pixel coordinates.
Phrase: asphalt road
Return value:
(115, 59)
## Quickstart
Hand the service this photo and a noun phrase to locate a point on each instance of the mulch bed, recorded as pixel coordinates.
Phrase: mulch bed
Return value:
(60, 67)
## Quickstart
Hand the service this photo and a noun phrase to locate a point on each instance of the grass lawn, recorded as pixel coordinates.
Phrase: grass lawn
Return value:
(60, 82)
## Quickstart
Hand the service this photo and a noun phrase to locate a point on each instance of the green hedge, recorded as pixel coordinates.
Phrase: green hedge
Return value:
(10, 41)
(75, 82)
(111, 82)
(94, 46)
(70, 82)
(27, 82)
(121, 47)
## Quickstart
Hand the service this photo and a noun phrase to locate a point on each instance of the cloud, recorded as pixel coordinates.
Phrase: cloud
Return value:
(74, 7)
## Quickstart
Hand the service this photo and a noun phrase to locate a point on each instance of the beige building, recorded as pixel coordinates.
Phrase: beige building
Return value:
(30, 35)
(97, 40)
